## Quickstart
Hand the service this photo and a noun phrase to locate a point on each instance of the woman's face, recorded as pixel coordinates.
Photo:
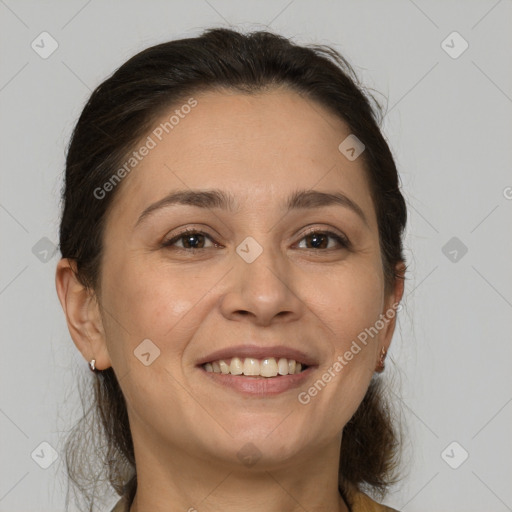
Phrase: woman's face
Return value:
(256, 279)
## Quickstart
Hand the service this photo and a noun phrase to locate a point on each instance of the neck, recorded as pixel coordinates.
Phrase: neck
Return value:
(182, 482)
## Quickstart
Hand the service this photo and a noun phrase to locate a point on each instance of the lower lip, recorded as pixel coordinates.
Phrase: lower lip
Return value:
(260, 386)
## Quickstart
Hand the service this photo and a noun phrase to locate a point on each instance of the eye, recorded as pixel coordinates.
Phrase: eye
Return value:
(191, 239)
(320, 239)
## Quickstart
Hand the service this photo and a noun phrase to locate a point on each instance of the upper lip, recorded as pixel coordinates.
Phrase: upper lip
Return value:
(259, 352)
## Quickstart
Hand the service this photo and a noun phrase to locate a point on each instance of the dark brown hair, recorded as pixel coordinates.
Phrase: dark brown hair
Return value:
(122, 110)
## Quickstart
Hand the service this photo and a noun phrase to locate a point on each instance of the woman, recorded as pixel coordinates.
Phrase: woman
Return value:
(231, 269)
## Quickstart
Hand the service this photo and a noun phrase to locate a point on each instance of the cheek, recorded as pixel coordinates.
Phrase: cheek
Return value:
(150, 302)
(348, 302)
(150, 305)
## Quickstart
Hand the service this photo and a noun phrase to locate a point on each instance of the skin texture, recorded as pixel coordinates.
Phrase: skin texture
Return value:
(187, 431)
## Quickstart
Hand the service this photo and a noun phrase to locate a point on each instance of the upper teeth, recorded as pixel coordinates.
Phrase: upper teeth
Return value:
(267, 367)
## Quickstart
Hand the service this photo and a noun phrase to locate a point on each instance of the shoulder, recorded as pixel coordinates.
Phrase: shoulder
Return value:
(361, 502)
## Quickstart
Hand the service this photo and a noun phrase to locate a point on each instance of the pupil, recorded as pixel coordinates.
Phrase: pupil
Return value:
(190, 240)
(318, 240)
(317, 237)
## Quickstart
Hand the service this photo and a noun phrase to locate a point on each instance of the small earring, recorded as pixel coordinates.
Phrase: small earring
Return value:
(380, 366)
(92, 365)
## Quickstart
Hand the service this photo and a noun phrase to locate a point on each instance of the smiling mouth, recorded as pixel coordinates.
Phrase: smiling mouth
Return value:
(268, 367)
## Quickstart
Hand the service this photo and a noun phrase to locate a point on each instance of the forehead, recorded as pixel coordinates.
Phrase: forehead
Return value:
(258, 146)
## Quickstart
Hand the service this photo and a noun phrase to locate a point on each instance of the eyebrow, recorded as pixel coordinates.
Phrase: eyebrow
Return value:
(215, 198)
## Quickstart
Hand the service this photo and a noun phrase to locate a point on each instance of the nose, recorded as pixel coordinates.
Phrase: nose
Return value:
(262, 291)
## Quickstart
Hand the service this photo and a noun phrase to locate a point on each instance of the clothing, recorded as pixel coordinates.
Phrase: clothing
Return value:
(121, 506)
(359, 502)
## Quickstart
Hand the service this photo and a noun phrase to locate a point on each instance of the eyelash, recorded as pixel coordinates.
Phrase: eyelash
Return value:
(342, 240)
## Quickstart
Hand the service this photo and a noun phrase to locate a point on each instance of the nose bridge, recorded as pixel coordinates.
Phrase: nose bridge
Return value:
(260, 281)
(261, 266)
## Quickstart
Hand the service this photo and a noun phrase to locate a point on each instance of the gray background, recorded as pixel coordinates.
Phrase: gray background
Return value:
(449, 124)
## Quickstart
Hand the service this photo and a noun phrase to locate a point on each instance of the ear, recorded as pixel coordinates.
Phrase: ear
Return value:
(83, 316)
(390, 311)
